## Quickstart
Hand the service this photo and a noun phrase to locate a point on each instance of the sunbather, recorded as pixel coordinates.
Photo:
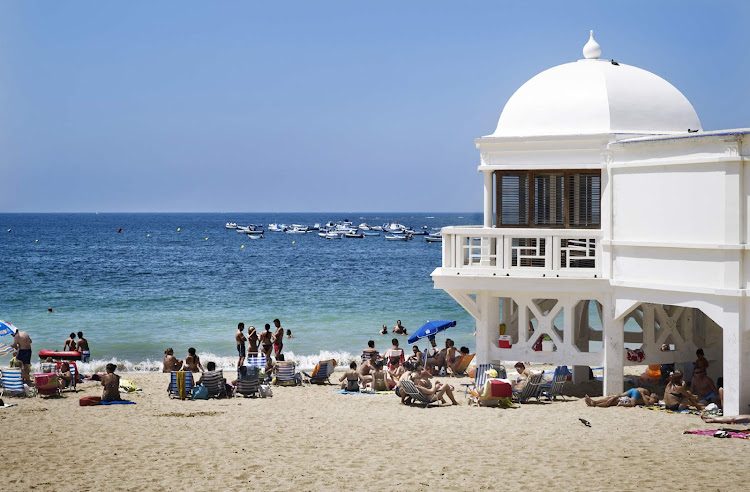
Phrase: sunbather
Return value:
(523, 375)
(394, 355)
(703, 387)
(171, 363)
(380, 378)
(111, 383)
(350, 379)
(631, 398)
(64, 376)
(438, 392)
(366, 370)
(676, 395)
(193, 362)
(737, 419)
(453, 366)
(416, 356)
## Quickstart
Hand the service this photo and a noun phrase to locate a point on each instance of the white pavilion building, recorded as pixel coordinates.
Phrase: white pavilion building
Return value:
(602, 189)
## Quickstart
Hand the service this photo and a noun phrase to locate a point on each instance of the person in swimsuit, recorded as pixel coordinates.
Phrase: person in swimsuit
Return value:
(523, 375)
(266, 341)
(289, 334)
(737, 419)
(70, 343)
(631, 398)
(384, 330)
(416, 356)
(111, 383)
(239, 337)
(676, 395)
(64, 376)
(701, 362)
(350, 379)
(399, 329)
(380, 379)
(252, 342)
(83, 347)
(193, 362)
(22, 343)
(278, 337)
(171, 363)
(394, 355)
(703, 386)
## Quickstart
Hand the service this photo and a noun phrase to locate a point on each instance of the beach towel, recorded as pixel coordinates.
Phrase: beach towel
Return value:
(664, 409)
(130, 387)
(739, 434)
(181, 384)
(118, 402)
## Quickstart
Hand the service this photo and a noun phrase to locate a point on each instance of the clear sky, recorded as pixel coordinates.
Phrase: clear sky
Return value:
(310, 106)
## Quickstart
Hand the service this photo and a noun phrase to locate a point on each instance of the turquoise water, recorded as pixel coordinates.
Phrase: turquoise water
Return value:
(150, 287)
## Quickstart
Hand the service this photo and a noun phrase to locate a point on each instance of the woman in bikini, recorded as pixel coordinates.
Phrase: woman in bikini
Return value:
(350, 379)
(193, 362)
(266, 341)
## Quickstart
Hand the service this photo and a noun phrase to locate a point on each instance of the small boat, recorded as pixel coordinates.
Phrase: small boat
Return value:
(371, 233)
(334, 235)
(315, 227)
(377, 228)
(296, 230)
(364, 226)
(231, 225)
(322, 234)
(60, 354)
(255, 235)
(396, 237)
(434, 238)
(354, 235)
(276, 227)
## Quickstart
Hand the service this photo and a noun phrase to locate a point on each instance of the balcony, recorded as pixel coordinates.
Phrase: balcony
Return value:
(524, 252)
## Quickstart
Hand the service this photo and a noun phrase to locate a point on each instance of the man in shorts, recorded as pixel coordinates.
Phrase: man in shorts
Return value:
(239, 337)
(278, 337)
(22, 343)
(83, 347)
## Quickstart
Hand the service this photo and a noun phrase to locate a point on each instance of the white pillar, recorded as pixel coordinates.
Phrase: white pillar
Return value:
(487, 326)
(736, 343)
(488, 199)
(613, 340)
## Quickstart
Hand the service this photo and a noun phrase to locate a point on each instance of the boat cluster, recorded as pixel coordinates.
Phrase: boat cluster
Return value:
(342, 229)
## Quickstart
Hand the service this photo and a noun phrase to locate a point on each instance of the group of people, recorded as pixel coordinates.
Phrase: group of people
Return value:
(266, 340)
(82, 346)
(677, 395)
(399, 329)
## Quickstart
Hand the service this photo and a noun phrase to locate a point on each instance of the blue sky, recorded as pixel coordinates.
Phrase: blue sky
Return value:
(309, 106)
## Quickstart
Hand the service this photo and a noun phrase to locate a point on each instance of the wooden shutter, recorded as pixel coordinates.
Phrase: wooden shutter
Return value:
(549, 202)
(584, 199)
(512, 199)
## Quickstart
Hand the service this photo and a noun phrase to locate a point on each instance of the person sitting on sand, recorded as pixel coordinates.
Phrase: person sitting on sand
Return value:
(111, 383)
(193, 362)
(394, 356)
(350, 379)
(171, 363)
(703, 386)
(676, 395)
(380, 379)
(64, 376)
(523, 375)
(366, 369)
(436, 359)
(416, 356)
(70, 343)
(437, 393)
(399, 329)
(631, 398)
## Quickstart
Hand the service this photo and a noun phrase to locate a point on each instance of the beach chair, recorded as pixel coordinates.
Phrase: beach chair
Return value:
(74, 372)
(463, 364)
(249, 384)
(531, 389)
(257, 361)
(479, 379)
(215, 383)
(173, 390)
(46, 384)
(554, 388)
(12, 382)
(286, 374)
(417, 396)
(322, 372)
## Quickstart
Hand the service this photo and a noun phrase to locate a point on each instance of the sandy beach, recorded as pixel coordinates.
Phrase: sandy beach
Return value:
(310, 438)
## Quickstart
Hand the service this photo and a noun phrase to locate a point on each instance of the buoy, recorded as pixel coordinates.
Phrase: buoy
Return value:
(36, 241)
(206, 239)
(178, 229)
(148, 235)
(294, 242)
(8, 230)
(119, 230)
(242, 247)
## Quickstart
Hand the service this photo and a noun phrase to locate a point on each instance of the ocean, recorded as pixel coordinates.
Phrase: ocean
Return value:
(184, 280)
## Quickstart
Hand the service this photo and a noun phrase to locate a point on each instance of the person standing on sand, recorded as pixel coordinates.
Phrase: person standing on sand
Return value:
(83, 347)
(22, 343)
(70, 343)
(239, 337)
(266, 342)
(278, 337)
(252, 342)
(171, 363)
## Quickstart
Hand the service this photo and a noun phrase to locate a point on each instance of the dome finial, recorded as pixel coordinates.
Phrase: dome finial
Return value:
(592, 50)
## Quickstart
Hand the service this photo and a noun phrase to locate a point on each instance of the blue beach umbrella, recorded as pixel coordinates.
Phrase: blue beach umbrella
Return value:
(7, 328)
(430, 328)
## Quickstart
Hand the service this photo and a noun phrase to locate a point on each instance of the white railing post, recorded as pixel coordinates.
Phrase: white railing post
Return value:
(447, 244)
(557, 241)
(549, 252)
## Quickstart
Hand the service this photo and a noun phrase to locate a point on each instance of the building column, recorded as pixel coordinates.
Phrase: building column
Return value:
(487, 326)
(736, 343)
(488, 199)
(613, 340)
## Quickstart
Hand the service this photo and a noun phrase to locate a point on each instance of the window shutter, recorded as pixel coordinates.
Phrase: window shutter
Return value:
(549, 199)
(513, 198)
(584, 199)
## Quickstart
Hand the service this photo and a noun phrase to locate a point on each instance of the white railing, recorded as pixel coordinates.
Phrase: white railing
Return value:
(562, 252)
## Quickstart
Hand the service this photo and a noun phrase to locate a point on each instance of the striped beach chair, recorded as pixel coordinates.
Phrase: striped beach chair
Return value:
(417, 396)
(322, 372)
(554, 388)
(257, 361)
(247, 384)
(286, 374)
(173, 390)
(531, 389)
(12, 380)
(480, 377)
(215, 383)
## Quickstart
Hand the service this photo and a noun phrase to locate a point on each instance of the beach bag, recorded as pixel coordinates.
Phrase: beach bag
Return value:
(200, 392)
(265, 390)
(88, 401)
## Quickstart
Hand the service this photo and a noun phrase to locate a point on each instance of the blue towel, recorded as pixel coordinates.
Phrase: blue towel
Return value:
(344, 392)
(118, 402)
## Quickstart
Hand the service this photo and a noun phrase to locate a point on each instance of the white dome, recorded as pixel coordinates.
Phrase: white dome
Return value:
(593, 96)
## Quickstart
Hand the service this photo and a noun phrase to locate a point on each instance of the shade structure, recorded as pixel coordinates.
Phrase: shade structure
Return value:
(430, 328)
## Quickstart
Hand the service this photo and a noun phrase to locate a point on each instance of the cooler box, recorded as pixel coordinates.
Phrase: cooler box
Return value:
(500, 389)
(504, 341)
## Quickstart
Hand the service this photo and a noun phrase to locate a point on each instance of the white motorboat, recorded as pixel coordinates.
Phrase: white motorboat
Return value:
(255, 235)
(276, 227)
(364, 226)
(296, 230)
(231, 225)
(394, 227)
(322, 234)
(334, 235)
(434, 238)
(396, 237)
(371, 233)
(355, 235)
